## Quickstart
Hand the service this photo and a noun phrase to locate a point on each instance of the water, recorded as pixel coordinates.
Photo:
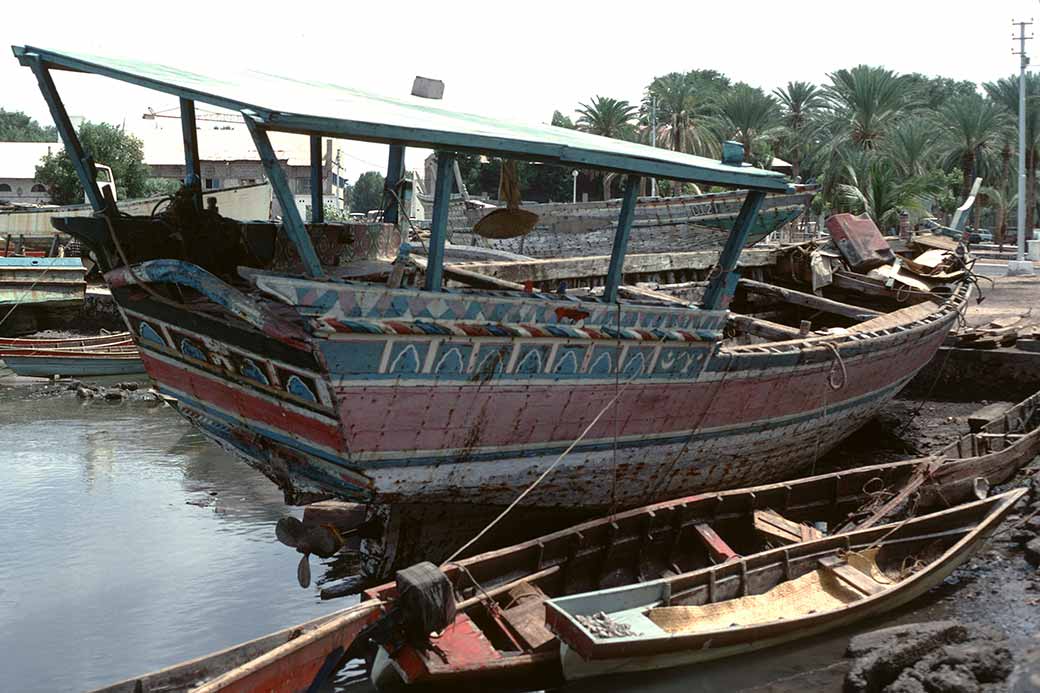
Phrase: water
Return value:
(129, 543)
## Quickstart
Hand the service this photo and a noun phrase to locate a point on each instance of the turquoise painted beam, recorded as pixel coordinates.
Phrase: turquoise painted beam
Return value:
(439, 224)
(292, 222)
(624, 228)
(192, 164)
(81, 161)
(317, 184)
(724, 281)
(394, 173)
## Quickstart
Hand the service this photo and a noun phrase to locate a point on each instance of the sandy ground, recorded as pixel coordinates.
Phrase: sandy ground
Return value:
(1006, 297)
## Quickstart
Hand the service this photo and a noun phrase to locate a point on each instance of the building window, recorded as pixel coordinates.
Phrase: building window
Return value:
(4, 187)
(212, 183)
(39, 188)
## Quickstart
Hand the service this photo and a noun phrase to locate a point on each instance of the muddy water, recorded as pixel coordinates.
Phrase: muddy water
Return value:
(129, 543)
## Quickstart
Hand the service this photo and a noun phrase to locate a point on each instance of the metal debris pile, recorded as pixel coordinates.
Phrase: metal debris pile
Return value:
(602, 626)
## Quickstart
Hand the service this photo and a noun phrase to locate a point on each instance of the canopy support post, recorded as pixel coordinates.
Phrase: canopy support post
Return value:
(81, 161)
(723, 284)
(439, 224)
(317, 184)
(192, 165)
(292, 222)
(394, 173)
(624, 227)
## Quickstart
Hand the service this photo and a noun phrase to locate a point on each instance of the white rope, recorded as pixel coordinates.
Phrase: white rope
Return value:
(543, 474)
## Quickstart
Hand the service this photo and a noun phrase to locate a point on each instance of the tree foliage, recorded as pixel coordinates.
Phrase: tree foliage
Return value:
(16, 126)
(109, 146)
(367, 193)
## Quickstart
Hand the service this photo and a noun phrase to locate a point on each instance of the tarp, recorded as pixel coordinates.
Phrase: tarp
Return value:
(312, 107)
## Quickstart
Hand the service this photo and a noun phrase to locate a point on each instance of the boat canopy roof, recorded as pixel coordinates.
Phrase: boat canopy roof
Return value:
(320, 108)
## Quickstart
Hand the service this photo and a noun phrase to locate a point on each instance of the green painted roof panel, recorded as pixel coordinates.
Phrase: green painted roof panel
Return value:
(322, 108)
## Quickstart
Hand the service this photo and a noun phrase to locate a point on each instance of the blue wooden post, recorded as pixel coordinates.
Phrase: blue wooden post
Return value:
(192, 165)
(439, 224)
(624, 227)
(317, 183)
(292, 222)
(81, 161)
(724, 283)
(394, 172)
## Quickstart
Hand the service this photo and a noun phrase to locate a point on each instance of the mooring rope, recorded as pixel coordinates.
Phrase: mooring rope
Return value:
(544, 474)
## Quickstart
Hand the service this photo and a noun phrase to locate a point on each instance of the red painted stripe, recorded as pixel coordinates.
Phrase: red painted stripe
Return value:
(240, 403)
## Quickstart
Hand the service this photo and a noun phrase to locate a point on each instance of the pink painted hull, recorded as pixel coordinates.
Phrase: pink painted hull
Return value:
(414, 408)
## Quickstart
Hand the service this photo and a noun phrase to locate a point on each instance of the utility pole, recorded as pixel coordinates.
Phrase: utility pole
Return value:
(653, 138)
(1021, 266)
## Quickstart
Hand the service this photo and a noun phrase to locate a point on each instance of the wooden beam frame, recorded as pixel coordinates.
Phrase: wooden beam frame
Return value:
(800, 298)
(317, 182)
(292, 222)
(439, 224)
(722, 286)
(81, 161)
(192, 164)
(394, 173)
(624, 228)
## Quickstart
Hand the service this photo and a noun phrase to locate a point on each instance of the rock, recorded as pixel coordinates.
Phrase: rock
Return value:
(84, 393)
(114, 395)
(1022, 536)
(1033, 551)
(1026, 676)
(937, 657)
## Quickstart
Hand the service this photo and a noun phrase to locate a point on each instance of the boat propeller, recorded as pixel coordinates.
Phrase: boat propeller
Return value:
(322, 540)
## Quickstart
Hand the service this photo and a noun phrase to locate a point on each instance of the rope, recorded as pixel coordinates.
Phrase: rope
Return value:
(542, 476)
(839, 362)
(617, 381)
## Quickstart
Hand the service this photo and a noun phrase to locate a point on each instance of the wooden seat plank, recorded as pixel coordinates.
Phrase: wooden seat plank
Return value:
(850, 576)
(776, 526)
(719, 550)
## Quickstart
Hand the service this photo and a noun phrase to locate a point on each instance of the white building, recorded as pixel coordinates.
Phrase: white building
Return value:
(18, 162)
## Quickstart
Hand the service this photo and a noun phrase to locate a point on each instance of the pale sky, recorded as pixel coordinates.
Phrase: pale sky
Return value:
(516, 60)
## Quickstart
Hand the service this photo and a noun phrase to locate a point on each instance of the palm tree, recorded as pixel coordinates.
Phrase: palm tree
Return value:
(799, 104)
(748, 115)
(910, 146)
(875, 188)
(1005, 92)
(683, 108)
(972, 128)
(866, 101)
(609, 118)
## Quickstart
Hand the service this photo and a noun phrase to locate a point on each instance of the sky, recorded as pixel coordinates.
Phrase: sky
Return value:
(518, 60)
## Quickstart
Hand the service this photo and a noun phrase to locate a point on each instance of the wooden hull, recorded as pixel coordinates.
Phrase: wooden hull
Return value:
(666, 224)
(584, 656)
(44, 366)
(405, 396)
(105, 340)
(45, 282)
(288, 661)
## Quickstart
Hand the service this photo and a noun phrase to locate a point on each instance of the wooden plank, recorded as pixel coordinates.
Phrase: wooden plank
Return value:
(624, 228)
(850, 576)
(980, 417)
(800, 298)
(527, 618)
(719, 550)
(903, 316)
(764, 328)
(776, 526)
(469, 277)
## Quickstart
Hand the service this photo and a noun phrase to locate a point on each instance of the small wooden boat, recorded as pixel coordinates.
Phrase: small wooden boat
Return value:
(105, 359)
(113, 339)
(669, 538)
(777, 596)
(294, 659)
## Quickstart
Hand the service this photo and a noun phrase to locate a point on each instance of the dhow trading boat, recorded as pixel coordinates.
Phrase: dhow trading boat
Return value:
(328, 361)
